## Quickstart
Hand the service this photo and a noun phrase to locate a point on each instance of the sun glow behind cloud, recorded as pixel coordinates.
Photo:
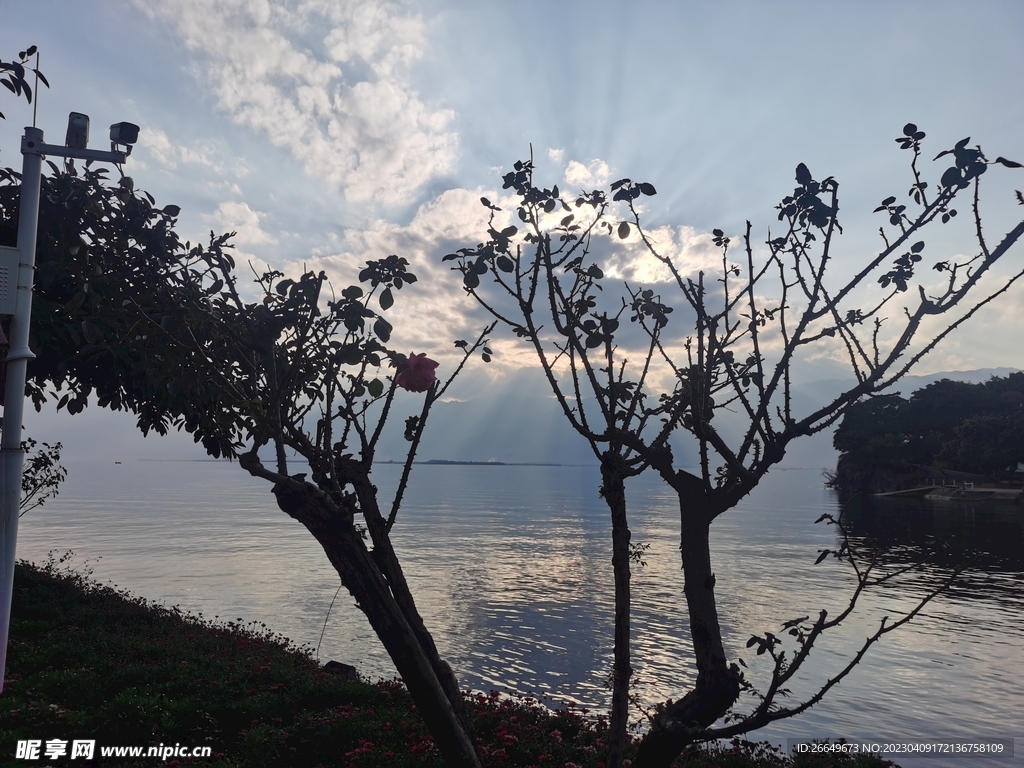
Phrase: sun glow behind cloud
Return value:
(321, 132)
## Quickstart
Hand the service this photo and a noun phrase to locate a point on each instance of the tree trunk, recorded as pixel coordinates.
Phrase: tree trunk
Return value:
(717, 687)
(613, 490)
(417, 662)
(386, 559)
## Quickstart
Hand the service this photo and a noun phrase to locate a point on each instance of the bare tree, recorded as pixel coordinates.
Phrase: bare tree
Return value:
(750, 325)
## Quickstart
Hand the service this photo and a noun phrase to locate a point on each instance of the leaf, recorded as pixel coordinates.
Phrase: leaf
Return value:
(618, 184)
(485, 201)
(387, 299)
(803, 175)
(623, 230)
(375, 387)
(509, 231)
(594, 341)
(283, 286)
(951, 177)
(824, 553)
(172, 210)
(461, 343)
(485, 357)
(648, 189)
(383, 329)
(504, 263)
(909, 129)
(595, 271)
(1008, 163)
(567, 220)
(917, 247)
(753, 640)
(471, 279)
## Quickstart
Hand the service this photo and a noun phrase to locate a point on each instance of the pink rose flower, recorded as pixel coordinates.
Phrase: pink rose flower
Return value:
(417, 373)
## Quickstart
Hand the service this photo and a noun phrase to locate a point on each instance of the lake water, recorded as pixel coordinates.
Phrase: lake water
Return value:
(510, 566)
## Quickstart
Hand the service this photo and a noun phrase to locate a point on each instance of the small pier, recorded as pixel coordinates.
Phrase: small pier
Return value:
(964, 492)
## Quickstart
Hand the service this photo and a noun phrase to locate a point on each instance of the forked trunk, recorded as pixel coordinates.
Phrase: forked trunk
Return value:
(717, 687)
(417, 661)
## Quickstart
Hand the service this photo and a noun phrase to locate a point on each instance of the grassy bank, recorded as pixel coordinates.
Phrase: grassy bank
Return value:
(89, 662)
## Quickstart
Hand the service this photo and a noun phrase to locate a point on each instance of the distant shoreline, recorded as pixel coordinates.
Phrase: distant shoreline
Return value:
(450, 462)
(435, 462)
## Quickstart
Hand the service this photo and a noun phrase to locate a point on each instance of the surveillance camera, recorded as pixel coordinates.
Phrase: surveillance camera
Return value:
(124, 133)
(78, 131)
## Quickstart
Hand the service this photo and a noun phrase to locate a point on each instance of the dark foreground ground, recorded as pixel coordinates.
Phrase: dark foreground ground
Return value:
(89, 662)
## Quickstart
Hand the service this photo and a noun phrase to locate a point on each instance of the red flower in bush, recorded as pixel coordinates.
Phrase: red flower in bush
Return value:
(416, 374)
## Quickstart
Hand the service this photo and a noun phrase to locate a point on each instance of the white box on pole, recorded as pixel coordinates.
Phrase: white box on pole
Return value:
(9, 260)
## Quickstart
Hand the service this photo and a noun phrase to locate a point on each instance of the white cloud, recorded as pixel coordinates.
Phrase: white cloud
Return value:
(556, 155)
(171, 154)
(687, 248)
(349, 114)
(239, 217)
(587, 176)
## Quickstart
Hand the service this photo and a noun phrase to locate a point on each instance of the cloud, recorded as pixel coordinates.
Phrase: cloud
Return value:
(587, 176)
(556, 155)
(240, 218)
(687, 248)
(171, 154)
(326, 81)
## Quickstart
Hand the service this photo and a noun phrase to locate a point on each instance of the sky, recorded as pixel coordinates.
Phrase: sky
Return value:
(326, 133)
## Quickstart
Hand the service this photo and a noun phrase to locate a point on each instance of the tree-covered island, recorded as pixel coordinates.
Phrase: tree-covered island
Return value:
(942, 433)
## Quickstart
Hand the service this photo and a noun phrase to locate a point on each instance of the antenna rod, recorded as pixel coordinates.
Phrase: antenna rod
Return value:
(35, 105)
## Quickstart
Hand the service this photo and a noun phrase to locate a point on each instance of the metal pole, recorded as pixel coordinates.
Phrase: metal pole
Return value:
(12, 458)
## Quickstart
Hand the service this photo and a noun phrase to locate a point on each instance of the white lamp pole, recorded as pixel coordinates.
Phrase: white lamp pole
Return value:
(17, 266)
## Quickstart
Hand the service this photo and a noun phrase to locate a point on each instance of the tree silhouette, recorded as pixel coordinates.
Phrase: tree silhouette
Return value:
(745, 330)
(125, 312)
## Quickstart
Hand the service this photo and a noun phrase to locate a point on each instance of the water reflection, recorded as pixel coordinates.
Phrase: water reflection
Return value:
(992, 532)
